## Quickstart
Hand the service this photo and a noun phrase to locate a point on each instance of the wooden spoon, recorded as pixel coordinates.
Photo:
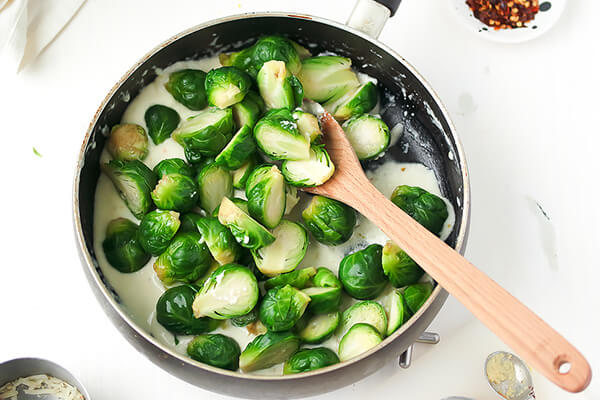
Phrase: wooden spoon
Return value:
(526, 333)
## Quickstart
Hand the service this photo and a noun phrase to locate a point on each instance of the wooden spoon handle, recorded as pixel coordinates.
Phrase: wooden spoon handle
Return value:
(521, 329)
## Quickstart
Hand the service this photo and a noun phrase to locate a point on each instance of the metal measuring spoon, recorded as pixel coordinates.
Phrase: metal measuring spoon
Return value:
(508, 375)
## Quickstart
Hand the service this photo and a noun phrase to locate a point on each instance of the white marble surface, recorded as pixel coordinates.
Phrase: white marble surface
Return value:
(527, 115)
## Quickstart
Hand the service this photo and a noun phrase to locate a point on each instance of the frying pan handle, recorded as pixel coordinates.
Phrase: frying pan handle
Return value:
(369, 16)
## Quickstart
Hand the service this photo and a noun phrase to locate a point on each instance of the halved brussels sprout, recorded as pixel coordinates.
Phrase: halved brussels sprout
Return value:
(226, 86)
(303, 52)
(185, 260)
(359, 339)
(206, 133)
(173, 166)
(187, 87)
(299, 278)
(277, 136)
(189, 222)
(175, 192)
(366, 312)
(246, 319)
(368, 135)
(265, 190)
(291, 199)
(268, 349)
(265, 49)
(330, 221)
(161, 122)
(357, 102)
(309, 360)
(215, 349)
(214, 183)
(278, 87)
(220, 241)
(314, 171)
(134, 181)
(231, 291)
(285, 253)
(157, 228)
(416, 295)
(361, 273)
(245, 229)
(308, 125)
(397, 311)
(127, 142)
(400, 269)
(122, 248)
(424, 207)
(174, 312)
(282, 307)
(319, 328)
(323, 300)
(241, 175)
(238, 150)
(327, 78)
(249, 110)
(241, 203)
(325, 278)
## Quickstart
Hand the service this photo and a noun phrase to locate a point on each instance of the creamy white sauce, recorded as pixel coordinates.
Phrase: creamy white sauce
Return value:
(140, 291)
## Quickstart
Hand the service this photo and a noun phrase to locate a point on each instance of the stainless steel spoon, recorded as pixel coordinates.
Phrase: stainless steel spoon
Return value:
(508, 375)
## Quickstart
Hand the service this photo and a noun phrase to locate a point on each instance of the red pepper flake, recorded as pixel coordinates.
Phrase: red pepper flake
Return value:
(504, 14)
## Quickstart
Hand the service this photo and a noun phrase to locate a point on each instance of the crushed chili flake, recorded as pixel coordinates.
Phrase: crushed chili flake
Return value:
(504, 14)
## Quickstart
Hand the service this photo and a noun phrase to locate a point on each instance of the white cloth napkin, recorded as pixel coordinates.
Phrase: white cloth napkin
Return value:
(28, 26)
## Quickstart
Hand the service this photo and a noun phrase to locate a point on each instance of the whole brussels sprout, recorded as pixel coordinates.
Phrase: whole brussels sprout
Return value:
(361, 273)
(327, 78)
(278, 87)
(187, 87)
(215, 349)
(174, 312)
(282, 307)
(416, 295)
(277, 136)
(265, 49)
(161, 122)
(265, 190)
(330, 221)
(299, 278)
(246, 319)
(314, 171)
(226, 86)
(206, 133)
(325, 278)
(245, 229)
(122, 248)
(238, 150)
(134, 181)
(285, 253)
(127, 142)
(173, 166)
(186, 259)
(357, 102)
(368, 135)
(308, 125)
(215, 183)
(189, 222)
(400, 269)
(220, 241)
(268, 349)
(241, 174)
(175, 192)
(249, 110)
(309, 360)
(157, 228)
(424, 207)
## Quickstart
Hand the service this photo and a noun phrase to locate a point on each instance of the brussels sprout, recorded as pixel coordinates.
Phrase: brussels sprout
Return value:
(214, 183)
(302, 51)
(174, 312)
(241, 203)
(186, 259)
(175, 192)
(359, 339)
(206, 133)
(215, 349)
(220, 241)
(330, 221)
(308, 125)
(299, 278)
(368, 135)
(361, 273)
(323, 300)
(157, 228)
(268, 349)
(265, 49)
(238, 150)
(365, 312)
(325, 278)
(161, 122)
(245, 230)
(134, 181)
(173, 166)
(357, 102)
(309, 360)
(189, 222)
(127, 142)
(277, 136)
(291, 198)
(400, 269)
(397, 311)
(122, 248)
(282, 307)
(278, 87)
(265, 190)
(214, 265)
(327, 78)
(226, 86)
(424, 207)
(314, 171)
(285, 253)
(231, 291)
(249, 110)
(246, 319)
(319, 328)
(416, 295)
(241, 175)
(187, 87)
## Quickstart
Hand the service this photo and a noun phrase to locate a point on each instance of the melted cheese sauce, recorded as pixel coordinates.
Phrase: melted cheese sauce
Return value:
(140, 291)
